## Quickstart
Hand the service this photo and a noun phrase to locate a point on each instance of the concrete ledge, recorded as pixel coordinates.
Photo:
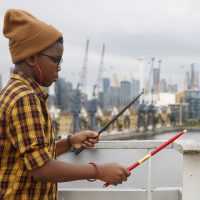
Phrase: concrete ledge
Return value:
(167, 193)
(187, 147)
(119, 194)
(135, 144)
(102, 194)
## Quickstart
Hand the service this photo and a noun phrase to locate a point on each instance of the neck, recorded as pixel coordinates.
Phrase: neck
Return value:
(25, 69)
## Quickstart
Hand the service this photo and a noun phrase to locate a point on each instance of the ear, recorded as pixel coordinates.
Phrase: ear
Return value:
(31, 60)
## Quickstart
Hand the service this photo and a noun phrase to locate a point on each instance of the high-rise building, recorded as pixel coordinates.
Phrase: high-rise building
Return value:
(192, 97)
(101, 99)
(163, 85)
(106, 91)
(179, 113)
(114, 96)
(192, 78)
(63, 90)
(187, 83)
(156, 80)
(125, 92)
(135, 88)
(106, 84)
(68, 85)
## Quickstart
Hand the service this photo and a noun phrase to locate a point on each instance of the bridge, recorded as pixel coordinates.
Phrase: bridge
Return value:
(143, 183)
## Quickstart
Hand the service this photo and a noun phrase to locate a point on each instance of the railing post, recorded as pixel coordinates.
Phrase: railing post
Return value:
(191, 169)
(149, 187)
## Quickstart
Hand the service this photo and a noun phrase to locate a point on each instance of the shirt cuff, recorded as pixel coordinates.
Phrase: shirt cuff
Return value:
(37, 158)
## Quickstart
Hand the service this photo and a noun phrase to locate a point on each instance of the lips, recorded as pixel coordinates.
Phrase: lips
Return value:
(55, 78)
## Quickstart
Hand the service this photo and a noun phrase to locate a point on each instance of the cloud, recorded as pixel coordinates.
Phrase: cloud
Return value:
(167, 29)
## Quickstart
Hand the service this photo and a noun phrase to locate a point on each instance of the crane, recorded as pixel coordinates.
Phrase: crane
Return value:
(149, 88)
(76, 104)
(158, 80)
(83, 76)
(98, 85)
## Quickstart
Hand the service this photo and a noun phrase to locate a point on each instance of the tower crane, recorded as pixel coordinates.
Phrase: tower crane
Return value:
(149, 87)
(83, 76)
(76, 104)
(158, 81)
(98, 85)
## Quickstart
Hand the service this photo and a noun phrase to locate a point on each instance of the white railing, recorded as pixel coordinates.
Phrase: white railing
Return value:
(142, 185)
(191, 168)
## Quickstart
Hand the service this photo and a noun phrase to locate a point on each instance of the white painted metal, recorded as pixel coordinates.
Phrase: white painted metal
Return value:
(149, 187)
(191, 175)
(191, 169)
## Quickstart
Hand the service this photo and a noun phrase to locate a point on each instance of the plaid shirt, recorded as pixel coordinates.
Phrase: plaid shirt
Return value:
(26, 140)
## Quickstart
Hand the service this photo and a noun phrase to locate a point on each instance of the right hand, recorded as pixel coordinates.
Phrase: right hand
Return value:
(113, 173)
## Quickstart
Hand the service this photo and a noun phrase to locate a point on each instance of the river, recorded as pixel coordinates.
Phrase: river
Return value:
(190, 135)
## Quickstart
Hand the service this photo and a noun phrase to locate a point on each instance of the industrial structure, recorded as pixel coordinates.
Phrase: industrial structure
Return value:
(161, 105)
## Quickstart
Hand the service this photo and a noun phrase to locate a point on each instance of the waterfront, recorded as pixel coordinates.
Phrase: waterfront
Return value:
(190, 135)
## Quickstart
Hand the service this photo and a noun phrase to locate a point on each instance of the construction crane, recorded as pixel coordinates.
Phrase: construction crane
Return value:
(98, 85)
(83, 76)
(76, 104)
(158, 80)
(149, 81)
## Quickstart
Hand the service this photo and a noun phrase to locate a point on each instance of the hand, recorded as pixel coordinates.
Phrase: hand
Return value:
(87, 139)
(113, 173)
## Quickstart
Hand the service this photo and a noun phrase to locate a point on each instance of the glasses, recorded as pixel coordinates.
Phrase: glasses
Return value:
(54, 59)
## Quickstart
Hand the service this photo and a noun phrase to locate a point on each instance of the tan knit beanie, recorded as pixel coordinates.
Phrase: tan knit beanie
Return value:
(27, 35)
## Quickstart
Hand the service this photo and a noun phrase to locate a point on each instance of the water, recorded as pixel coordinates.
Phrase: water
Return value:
(165, 136)
(166, 166)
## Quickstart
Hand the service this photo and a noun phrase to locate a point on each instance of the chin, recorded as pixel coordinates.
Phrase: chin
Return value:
(46, 84)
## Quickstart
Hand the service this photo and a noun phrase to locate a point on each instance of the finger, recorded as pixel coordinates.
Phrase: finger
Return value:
(91, 142)
(124, 177)
(127, 173)
(94, 141)
(100, 137)
(88, 144)
(91, 134)
(119, 182)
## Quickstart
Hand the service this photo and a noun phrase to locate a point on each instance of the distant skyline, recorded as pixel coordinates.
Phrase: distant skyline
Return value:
(168, 30)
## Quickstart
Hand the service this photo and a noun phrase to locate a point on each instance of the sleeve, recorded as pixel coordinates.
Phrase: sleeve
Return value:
(27, 132)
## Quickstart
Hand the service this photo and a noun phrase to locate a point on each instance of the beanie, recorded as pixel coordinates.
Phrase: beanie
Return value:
(27, 35)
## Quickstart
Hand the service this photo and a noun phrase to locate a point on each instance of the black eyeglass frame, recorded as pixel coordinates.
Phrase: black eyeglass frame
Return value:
(59, 60)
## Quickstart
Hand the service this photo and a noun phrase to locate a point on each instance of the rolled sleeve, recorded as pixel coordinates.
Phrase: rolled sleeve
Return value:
(28, 132)
(36, 158)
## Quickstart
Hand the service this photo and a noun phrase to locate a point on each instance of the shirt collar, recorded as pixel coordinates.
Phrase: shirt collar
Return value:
(39, 90)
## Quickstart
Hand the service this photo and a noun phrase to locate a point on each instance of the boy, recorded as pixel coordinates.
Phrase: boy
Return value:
(29, 169)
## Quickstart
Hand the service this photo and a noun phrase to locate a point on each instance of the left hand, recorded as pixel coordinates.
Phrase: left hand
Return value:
(87, 139)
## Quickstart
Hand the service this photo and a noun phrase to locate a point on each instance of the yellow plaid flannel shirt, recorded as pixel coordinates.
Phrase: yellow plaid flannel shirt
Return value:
(26, 140)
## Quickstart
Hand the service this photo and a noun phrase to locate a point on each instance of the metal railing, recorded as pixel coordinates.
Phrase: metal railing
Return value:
(159, 178)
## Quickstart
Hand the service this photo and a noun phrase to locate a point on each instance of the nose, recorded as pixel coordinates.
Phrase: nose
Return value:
(58, 69)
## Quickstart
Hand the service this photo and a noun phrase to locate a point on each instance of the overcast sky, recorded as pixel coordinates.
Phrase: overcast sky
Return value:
(165, 29)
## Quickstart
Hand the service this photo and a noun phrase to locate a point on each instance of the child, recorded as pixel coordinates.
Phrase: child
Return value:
(29, 169)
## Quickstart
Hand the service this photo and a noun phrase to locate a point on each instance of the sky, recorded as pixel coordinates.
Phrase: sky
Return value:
(134, 31)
